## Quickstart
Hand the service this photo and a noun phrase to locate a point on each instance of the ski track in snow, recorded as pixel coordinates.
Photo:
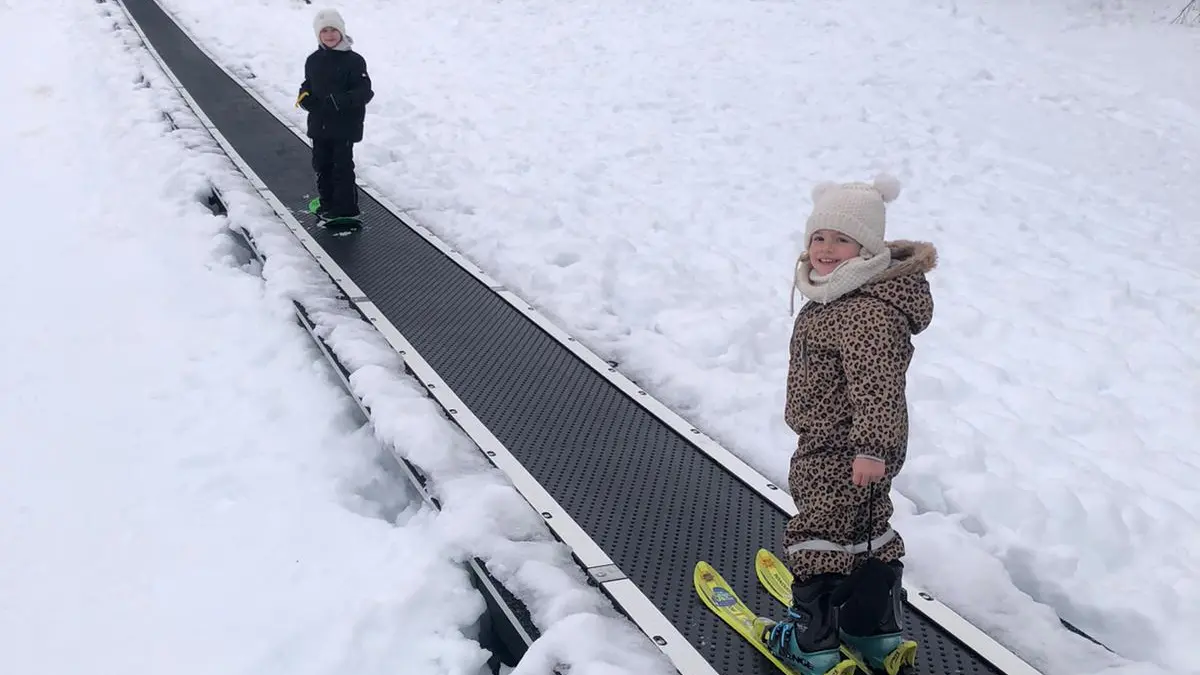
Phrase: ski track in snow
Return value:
(183, 486)
(642, 174)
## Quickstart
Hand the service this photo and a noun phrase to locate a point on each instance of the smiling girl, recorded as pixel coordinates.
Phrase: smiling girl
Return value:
(850, 351)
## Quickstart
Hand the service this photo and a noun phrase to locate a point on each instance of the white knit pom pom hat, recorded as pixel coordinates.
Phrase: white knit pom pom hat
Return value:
(855, 209)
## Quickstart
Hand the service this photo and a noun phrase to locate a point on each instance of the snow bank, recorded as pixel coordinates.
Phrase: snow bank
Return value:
(183, 486)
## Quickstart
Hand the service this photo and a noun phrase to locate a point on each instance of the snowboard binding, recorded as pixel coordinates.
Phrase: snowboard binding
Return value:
(314, 207)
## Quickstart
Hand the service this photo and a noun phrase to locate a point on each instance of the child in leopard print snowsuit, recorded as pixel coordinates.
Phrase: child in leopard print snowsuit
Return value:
(850, 351)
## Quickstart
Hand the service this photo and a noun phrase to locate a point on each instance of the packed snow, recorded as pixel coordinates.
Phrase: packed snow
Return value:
(184, 485)
(641, 173)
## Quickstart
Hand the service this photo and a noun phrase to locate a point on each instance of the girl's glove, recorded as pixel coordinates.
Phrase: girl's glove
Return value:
(301, 101)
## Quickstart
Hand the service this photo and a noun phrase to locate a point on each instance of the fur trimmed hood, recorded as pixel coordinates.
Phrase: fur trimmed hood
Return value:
(909, 257)
(903, 285)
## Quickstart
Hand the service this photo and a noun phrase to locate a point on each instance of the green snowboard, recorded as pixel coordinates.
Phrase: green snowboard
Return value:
(345, 221)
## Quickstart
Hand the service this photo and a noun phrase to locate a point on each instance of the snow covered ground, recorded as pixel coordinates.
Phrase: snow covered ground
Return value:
(184, 486)
(641, 172)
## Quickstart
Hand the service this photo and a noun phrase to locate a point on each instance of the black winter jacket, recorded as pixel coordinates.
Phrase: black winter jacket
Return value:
(339, 90)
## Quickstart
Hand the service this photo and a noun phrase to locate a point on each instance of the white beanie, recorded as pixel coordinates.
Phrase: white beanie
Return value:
(328, 18)
(854, 209)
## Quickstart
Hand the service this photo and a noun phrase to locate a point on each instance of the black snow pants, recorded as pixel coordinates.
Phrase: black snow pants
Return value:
(333, 162)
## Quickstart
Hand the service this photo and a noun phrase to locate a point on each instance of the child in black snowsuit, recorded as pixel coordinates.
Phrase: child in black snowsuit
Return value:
(335, 92)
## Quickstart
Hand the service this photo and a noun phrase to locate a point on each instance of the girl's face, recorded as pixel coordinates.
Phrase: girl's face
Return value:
(830, 248)
(330, 36)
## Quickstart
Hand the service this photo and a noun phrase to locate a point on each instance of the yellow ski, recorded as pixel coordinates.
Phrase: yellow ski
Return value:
(774, 576)
(777, 579)
(725, 603)
(720, 597)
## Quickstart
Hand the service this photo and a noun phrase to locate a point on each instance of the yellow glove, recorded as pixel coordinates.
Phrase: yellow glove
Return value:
(300, 98)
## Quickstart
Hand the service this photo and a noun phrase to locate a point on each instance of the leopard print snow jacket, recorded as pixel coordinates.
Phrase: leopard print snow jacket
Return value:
(849, 362)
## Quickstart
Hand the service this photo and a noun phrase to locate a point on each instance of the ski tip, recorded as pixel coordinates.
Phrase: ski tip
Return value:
(767, 559)
(706, 573)
(710, 584)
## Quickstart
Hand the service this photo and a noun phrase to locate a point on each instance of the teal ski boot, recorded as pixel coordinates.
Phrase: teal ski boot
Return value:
(807, 640)
(870, 625)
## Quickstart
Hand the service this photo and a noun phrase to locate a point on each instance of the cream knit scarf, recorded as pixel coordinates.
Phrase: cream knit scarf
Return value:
(848, 276)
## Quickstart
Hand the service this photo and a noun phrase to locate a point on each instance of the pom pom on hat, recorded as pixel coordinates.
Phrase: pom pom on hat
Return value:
(822, 188)
(888, 187)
